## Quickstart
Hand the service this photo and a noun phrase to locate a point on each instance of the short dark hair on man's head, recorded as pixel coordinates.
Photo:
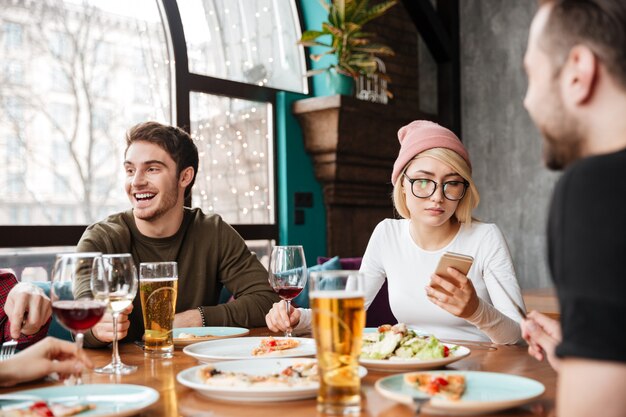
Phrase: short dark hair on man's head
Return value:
(599, 24)
(175, 141)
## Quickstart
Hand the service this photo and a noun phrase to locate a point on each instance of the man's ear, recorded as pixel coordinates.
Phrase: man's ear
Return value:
(580, 74)
(185, 177)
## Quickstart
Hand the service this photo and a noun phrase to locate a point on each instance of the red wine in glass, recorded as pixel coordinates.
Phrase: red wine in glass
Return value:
(288, 292)
(78, 315)
(287, 273)
(79, 294)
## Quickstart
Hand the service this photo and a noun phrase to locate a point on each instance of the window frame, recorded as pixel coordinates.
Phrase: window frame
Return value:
(184, 84)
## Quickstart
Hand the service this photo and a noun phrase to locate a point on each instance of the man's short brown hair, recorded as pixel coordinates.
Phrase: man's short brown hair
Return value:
(599, 24)
(175, 141)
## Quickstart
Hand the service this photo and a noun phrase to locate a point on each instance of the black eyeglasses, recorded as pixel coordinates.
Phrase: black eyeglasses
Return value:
(424, 188)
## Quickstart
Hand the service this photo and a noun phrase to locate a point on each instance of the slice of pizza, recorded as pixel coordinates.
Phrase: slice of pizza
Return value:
(43, 409)
(298, 374)
(451, 386)
(269, 345)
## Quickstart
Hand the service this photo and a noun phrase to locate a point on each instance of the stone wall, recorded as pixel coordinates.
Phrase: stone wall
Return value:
(504, 144)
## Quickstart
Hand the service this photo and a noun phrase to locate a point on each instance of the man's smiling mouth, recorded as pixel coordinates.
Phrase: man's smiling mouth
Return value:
(144, 196)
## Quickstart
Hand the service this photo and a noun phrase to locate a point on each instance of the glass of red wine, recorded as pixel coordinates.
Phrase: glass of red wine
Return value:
(288, 273)
(79, 293)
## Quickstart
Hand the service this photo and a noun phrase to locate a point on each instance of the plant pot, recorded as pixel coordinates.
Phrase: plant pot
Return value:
(337, 83)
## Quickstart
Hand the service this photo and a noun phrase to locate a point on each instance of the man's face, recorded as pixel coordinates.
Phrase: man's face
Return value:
(544, 102)
(152, 184)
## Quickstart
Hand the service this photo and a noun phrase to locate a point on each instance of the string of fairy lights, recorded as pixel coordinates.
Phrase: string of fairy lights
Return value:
(234, 172)
(242, 41)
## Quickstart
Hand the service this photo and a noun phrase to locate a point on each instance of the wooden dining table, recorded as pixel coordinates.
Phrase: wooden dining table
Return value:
(178, 400)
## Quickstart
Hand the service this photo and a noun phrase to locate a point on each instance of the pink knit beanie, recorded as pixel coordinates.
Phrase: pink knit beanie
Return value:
(421, 135)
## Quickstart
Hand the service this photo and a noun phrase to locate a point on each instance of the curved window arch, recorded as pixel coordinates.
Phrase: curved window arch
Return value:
(250, 41)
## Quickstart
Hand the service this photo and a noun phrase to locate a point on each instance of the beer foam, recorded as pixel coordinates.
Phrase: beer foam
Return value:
(339, 294)
(158, 279)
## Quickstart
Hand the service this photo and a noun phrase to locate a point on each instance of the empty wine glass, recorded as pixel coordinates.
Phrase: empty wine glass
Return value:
(288, 273)
(79, 293)
(121, 275)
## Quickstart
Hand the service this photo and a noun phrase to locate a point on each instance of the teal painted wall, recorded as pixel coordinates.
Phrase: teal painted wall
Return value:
(295, 174)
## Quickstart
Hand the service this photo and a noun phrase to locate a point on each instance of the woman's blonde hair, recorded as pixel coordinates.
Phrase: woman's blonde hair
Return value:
(467, 204)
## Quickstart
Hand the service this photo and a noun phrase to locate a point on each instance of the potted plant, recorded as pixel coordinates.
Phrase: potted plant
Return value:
(355, 52)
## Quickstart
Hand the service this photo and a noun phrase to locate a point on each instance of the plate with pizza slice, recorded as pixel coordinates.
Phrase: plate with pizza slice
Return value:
(251, 348)
(184, 336)
(92, 400)
(256, 380)
(461, 392)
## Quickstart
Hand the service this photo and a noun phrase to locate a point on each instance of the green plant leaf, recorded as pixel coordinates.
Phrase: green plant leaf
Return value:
(374, 48)
(315, 43)
(336, 32)
(310, 35)
(358, 41)
(325, 5)
(340, 6)
(352, 28)
(356, 9)
(317, 57)
(376, 11)
(316, 71)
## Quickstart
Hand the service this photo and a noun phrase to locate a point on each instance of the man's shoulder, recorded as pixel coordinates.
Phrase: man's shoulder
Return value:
(109, 235)
(597, 174)
(204, 221)
(596, 166)
(116, 223)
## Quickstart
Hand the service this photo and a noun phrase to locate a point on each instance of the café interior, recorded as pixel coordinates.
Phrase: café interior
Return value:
(286, 157)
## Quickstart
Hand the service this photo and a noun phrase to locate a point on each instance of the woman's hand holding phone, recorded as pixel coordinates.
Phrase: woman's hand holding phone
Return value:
(450, 288)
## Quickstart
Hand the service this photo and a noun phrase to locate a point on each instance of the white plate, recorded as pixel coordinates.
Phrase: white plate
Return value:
(398, 364)
(189, 378)
(110, 399)
(241, 348)
(485, 392)
(206, 333)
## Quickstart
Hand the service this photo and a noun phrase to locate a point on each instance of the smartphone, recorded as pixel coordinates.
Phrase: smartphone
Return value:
(461, 263)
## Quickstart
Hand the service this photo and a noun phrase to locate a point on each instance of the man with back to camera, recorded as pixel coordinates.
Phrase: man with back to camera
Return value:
(576, 67)
(161, 163)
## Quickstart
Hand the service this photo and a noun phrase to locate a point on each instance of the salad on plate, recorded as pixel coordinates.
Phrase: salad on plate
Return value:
(398, 342)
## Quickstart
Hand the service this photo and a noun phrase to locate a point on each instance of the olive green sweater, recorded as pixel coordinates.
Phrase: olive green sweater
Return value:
(210, 255)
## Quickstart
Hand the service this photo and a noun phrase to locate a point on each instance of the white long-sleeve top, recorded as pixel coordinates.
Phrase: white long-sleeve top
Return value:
(392, 254)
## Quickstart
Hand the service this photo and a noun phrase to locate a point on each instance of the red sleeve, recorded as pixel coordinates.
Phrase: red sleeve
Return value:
(7, 282)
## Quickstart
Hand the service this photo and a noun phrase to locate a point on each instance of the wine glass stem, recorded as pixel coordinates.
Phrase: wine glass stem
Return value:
(79, 348)
(288, 331)
(115, 357)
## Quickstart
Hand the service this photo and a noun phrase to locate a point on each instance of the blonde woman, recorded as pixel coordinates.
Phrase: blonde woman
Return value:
(435, 195)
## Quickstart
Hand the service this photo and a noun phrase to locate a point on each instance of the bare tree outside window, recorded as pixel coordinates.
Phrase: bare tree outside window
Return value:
(83, 65)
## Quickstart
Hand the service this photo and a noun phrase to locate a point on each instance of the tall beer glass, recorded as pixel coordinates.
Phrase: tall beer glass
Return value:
(158, 288)
(337, 300)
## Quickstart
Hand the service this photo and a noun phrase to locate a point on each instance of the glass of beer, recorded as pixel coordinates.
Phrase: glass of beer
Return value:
(158, 287)
(337, 300)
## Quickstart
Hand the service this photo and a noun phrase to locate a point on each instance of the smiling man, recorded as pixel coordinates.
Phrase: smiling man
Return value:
(161, 163)
(576, 66)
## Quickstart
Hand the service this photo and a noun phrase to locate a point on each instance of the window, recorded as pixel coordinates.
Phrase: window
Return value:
(235, 144)
(13, 73)
(12, 35)
(251, 41)
(70, 127)
(99, 82)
